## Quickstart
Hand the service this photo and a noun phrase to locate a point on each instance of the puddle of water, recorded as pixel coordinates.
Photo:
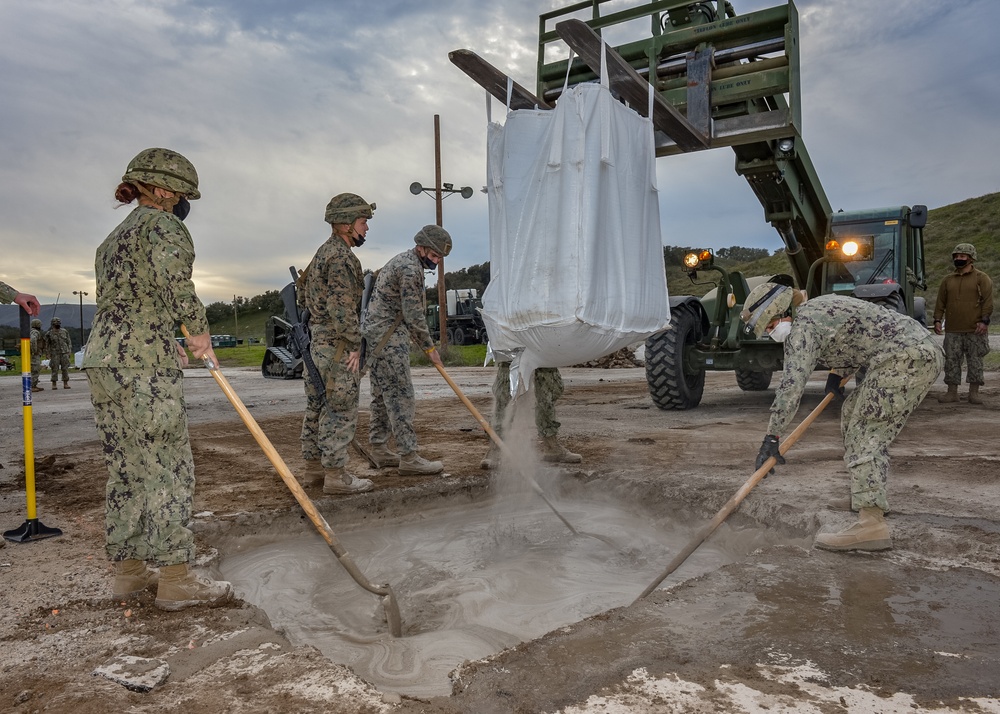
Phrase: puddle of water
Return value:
(470, 581)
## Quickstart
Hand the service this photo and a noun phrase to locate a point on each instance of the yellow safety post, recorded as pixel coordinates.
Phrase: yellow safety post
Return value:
(33, 529)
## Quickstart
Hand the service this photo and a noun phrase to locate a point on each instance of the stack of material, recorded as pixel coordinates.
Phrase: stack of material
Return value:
(622, 359)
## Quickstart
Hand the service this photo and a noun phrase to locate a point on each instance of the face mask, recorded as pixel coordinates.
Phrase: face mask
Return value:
(780, 331)
(359, 240)
(182, 208)
(960, 263)
(428, 263)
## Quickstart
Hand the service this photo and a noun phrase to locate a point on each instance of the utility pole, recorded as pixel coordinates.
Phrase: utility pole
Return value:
(439, 190)
(81, 293)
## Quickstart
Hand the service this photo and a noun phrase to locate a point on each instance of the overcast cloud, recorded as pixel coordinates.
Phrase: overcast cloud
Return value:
(282, 105)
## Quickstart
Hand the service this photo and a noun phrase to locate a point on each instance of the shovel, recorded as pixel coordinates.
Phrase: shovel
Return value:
(512, 458)
(738, 497)
(389, 602)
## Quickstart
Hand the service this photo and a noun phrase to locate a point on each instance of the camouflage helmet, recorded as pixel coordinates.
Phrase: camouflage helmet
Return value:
(36, 323)
(166, 169)
(434, 237)
(967, 248)
(56, 322)
(347, 208)
(766, 302)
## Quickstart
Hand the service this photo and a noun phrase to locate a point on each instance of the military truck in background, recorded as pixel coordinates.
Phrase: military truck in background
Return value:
(720, 79)
(465, 323)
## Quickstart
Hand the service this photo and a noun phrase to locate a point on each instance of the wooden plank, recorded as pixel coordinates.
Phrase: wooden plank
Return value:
(494, 81)
(628, 84)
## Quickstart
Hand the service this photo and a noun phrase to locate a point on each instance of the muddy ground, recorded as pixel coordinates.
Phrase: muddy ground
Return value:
(786, 628)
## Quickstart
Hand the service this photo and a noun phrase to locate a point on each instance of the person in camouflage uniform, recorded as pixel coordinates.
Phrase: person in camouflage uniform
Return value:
(133, 365)
(965, 302)
(37, 340)
(548, 387)
(330, 289)
(9, 294)
(396, 315)
(60, 348)
(901, 361)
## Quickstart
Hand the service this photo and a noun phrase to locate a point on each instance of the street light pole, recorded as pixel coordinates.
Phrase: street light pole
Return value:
(439, 190)
(81, 293)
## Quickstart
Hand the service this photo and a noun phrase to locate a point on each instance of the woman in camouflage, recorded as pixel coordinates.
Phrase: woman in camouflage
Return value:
(133, 365)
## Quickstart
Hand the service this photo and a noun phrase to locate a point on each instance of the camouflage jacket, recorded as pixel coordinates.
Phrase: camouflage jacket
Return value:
(57, 342)
(37, 343)
(144, 291)
(843, 334)
(7, 293)
(331, 291)
(963, 300)
(399, 291)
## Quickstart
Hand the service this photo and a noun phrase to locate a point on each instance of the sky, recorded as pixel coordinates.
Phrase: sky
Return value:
(281, 105)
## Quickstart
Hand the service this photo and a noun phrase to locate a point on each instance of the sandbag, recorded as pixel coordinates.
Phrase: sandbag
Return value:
(576, 258)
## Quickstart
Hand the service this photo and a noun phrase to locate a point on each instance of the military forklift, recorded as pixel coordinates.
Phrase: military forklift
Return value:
(724, 80)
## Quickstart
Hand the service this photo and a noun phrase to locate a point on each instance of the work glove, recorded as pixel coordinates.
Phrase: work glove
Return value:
(768, 449)
(833, 386)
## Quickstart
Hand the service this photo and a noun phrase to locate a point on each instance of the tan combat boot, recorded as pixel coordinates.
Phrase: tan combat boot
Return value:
(66, 384)
(869, 533)
(974, 397)
(554, 452)
(38, 388)
(313, 474)
(338, 482)
(950, 396)
(384, 456)
(412, 464)
(131, 578)
(492, 458)
(179, 588)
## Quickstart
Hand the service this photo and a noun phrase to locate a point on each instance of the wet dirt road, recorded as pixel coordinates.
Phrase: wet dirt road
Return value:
(783, 628)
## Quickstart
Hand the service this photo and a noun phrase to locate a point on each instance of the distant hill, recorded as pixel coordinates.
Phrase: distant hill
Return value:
(975, 220)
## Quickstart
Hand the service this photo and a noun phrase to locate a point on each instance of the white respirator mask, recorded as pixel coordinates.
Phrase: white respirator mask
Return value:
(780, 331)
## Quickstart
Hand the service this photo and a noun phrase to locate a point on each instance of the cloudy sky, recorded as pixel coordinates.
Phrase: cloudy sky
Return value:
(281, 105)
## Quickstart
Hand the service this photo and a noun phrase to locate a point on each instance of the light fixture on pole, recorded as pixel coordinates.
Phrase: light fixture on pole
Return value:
(438, 192)
(81, 293)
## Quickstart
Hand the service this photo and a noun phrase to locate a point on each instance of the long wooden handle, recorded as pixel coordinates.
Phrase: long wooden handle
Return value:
(509, 455)
(738, 497)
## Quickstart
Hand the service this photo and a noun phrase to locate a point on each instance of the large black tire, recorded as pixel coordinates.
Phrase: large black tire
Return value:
(669, 387)
(459, 337)
(753, 381)
(893, 302)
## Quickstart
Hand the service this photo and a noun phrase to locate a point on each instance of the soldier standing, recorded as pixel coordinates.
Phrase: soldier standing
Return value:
(331, 289)
(60, 348)
(965, 302)
(396, 315)
(37, 340)
(133, 365)
(548, 387)
(901, 360)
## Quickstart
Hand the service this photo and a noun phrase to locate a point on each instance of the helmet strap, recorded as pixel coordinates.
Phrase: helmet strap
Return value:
(163, 203)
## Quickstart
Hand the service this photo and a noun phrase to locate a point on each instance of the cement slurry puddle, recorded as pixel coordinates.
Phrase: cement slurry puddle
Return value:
(471, 580)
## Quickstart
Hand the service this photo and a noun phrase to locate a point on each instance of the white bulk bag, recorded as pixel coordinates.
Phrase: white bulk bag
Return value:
(576, 259)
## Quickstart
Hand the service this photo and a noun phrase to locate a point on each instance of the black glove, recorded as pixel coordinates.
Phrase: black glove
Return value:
(768, 449)
(833, 386)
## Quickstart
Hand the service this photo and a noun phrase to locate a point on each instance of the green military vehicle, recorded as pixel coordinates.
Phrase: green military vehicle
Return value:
(725, 80)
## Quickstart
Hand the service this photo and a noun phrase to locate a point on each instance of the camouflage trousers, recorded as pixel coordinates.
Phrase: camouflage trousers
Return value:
(973, 348)
(36, 369)
(328, 426)
(547, 386)
(875, 412)
(393, 400)
(57, 363)
(143, 430)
